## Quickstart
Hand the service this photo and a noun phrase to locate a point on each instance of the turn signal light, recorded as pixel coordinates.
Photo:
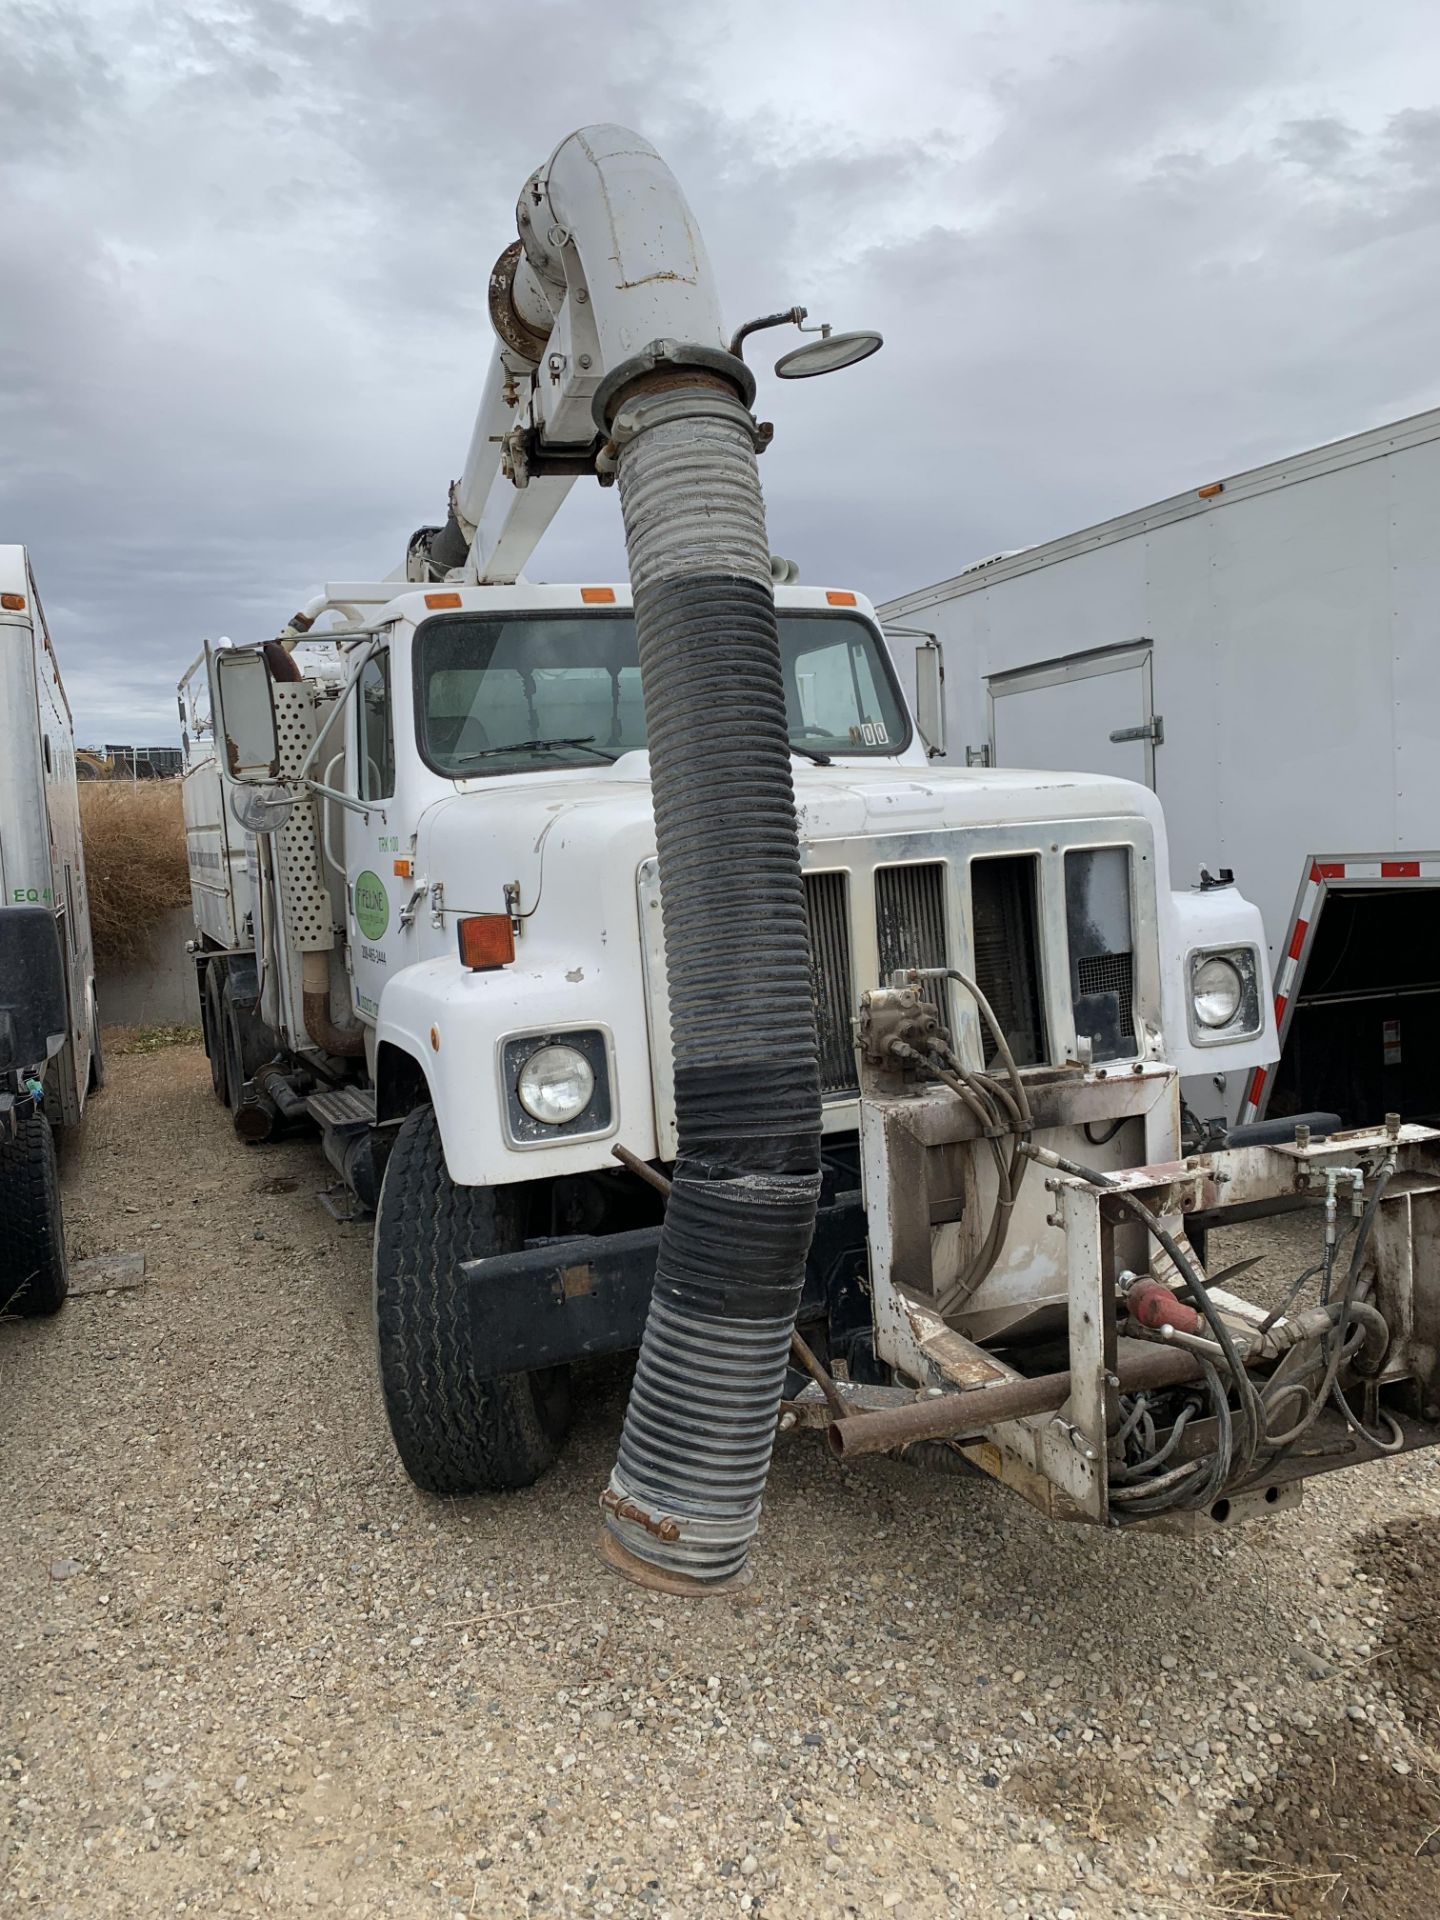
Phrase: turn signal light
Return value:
(12, 602)
(442, 600)
(487, 940)
(837, 598)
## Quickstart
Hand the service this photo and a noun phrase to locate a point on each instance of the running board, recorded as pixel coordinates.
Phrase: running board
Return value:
(342, 1109)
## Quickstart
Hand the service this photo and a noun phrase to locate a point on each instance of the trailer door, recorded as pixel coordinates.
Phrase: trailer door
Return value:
(1090, 712)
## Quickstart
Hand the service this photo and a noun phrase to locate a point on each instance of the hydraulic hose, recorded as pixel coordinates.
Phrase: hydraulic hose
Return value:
(683, 1501)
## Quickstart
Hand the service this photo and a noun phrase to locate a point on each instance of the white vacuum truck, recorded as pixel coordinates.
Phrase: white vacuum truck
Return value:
(50, 1053)
(500, 885)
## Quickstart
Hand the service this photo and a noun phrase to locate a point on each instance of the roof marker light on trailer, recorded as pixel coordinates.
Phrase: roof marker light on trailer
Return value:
(1209, 493)
(442, 600)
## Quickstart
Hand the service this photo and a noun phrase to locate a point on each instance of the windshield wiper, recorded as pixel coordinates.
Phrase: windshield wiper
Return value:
(813, 753)
(584, 740)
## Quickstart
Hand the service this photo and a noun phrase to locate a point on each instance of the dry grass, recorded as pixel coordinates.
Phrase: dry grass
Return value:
(135, 863)
(123, 1040)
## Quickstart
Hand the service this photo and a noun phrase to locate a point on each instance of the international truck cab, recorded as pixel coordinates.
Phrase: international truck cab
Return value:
(643, 975)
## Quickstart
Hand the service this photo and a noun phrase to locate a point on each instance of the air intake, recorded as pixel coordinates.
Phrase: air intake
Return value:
(827, 905)
(1002, 908)
(910, 923)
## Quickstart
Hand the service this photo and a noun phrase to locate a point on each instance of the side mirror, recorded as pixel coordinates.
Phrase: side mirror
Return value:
(262, 809)
(930, 696)
(245, 714)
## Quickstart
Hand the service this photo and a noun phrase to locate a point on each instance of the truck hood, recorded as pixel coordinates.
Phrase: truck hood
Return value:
(490, 833)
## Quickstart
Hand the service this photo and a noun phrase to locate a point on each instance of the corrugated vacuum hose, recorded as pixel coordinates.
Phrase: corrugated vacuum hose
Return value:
(683, 1502)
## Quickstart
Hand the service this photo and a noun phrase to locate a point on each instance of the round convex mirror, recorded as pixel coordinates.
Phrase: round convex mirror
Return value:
(827, 354)
(264, 808)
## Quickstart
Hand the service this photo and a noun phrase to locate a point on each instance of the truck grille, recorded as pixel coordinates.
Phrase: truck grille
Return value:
(827, 903)
(910, 924)
(1111, 975)
(1102, 964)
(1002, 901)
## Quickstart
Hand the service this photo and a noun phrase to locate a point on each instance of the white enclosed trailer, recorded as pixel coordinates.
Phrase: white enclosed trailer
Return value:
(49, 1027)
(1261, 651)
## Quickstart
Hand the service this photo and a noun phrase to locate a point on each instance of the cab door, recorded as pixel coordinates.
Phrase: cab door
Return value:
(372, 843)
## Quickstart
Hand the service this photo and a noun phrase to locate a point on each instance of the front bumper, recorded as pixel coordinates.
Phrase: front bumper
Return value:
(558, 1301)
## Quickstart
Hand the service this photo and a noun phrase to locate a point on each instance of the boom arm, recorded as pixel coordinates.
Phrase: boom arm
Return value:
(608, 261)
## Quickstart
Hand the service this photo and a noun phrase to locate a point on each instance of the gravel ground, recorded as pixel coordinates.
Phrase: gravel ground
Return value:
(248, 1669)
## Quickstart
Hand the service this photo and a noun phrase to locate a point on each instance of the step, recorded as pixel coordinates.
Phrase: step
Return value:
(339, 1109)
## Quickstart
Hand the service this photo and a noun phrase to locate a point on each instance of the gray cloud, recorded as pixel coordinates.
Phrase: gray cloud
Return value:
(1115, 248)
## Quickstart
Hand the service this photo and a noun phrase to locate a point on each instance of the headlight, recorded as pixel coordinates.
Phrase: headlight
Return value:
(555, 1085)
(1216, 991)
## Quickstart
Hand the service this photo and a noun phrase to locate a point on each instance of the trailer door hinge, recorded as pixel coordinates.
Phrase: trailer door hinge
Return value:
(1152, 730)
(978, 756)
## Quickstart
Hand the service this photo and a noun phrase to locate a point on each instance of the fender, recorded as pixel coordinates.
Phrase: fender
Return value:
(440, 1035)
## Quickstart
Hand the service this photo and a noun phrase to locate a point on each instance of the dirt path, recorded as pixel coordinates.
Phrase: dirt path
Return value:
(248, 1669)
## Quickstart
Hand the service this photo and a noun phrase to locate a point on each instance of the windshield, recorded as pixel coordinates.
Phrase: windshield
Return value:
(509, 693)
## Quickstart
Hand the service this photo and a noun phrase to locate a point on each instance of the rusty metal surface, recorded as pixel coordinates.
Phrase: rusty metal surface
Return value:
(642, 1170)
(834, 1399)
(978, 1410)
(661, 1526)
(656, 1579)
(811, 1411)
(522, 339)
(1059, 1097)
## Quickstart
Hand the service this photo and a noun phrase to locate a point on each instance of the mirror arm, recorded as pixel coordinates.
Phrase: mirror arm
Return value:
(341, 799)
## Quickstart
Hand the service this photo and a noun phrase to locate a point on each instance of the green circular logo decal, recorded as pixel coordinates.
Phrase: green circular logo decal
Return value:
(372, 905)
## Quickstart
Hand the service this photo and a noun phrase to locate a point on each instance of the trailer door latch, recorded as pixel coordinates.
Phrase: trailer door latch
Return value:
(1152, 730)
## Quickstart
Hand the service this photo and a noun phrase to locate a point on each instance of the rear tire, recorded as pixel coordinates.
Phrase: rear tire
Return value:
(34, 1275)
(97, 1048)
(213, 1021)
(233, 1049)
(455, 1434)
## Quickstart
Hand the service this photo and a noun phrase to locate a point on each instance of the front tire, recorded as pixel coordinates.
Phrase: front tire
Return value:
(34, 1274)
(455, 1434)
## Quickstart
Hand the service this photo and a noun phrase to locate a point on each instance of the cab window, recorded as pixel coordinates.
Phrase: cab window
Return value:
(376, 730)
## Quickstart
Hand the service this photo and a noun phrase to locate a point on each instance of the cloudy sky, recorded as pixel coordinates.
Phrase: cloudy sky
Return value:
(1117, 247)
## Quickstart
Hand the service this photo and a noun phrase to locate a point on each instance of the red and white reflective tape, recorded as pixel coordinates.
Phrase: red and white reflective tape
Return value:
(1365, 869)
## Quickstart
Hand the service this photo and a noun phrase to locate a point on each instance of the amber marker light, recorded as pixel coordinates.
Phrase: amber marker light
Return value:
(12, 602)
(442, 600)
(487, 941)
(598, 596)
(837, 598)
(1209, 493)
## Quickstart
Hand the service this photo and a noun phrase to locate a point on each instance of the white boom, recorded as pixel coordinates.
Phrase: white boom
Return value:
(609, 259)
